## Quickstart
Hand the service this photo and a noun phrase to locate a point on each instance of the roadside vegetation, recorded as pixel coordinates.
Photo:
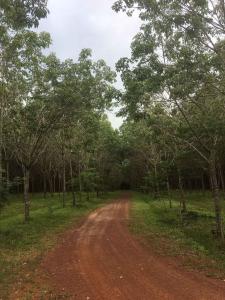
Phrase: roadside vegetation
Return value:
(190, 236)
(22, 244)
(55, 137)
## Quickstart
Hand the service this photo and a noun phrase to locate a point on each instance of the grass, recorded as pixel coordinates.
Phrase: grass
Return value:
(188, 236)
(23, 244)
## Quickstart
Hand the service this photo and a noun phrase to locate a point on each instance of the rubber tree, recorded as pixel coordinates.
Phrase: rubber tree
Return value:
(15, 16)
(91, 84)
(179, 54)
(38, 111)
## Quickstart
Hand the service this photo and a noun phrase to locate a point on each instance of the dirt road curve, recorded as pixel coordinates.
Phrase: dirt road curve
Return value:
(102, 261)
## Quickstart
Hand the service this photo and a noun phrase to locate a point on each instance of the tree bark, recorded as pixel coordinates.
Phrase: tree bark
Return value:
(221, 178)
(79, 174)
(64, 179)
(26, 194)
(7, 176)
(45, 186)
(80, 181)
(203, 184)
(216, 197)
(50, 185)
(156, 182)
(183, 200)
(72, 187)
(168, 190)
(59, 185)
(54, 184)
(1, 145)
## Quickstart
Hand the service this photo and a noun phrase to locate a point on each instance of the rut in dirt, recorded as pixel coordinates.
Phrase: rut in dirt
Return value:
(101, 260)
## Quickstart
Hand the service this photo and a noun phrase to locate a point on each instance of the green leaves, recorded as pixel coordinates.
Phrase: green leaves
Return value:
(18, 14)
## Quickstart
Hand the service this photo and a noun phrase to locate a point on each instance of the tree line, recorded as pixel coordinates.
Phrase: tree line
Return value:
(54, 135)
(174, 83)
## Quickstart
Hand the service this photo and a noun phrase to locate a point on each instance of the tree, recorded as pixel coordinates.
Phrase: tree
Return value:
(17, 14)
(14, 17)
(176, 56)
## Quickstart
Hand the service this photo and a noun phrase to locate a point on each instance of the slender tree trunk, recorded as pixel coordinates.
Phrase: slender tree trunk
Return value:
(50, 184)
(156, 182)
(50, 179)
(7, 176)
(80, 181)
(216, 197)
(64, 179)
(54, 183)
(45, 186)
(59, 185)
(79, 174)
(168, 190)
(182, 196)
(203, 184)
(26, 194)
(72, 187)
(1, 144)
(32, 185)
(221, 178)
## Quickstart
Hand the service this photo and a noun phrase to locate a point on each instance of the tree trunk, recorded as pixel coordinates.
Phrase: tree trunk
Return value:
(59, 185)
(221, 178)
(1, 146)
(26, 194)
(216, 197)
(54, 184)
(64, 180)
(50, 184)
(7, 176)
(80, 181)
(32, 186)
(156, 182)
(168, 191)
(182, 196)
(45, 186)
(72, 187)
(203, 184)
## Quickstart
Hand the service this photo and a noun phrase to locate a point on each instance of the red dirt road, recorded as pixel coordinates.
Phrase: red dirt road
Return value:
(101, 260)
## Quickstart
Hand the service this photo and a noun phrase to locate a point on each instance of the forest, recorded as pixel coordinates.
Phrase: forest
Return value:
(60, 157)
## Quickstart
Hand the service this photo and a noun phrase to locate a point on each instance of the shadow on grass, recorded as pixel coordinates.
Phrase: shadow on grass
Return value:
(192, 231)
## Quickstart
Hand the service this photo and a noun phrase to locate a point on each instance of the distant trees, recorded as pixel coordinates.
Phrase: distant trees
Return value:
(51, 112)
(178, 60)
(53, 129)
(16, 16)
(56, 100)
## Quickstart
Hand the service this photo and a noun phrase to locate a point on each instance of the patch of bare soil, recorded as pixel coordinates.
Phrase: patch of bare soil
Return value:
(101, 260)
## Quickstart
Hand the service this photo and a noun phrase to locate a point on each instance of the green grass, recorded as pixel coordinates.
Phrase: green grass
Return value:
(23, 244)
(189, 236)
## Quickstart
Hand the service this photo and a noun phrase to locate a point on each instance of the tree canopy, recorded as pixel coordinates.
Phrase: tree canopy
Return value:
(53, 123)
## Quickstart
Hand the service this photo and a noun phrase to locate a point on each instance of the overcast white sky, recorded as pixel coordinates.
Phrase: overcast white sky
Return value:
(77, 24)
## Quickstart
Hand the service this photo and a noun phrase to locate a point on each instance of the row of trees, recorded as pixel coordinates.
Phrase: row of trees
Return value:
(53, 131)
(174, 93)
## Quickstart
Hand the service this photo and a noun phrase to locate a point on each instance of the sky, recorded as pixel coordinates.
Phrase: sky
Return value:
(78, 24)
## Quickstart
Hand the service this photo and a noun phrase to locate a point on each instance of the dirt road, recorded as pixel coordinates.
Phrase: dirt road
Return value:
(102, 260)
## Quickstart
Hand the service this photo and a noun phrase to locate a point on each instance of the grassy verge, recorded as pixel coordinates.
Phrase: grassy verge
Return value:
(189, 237)
(22, 245)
